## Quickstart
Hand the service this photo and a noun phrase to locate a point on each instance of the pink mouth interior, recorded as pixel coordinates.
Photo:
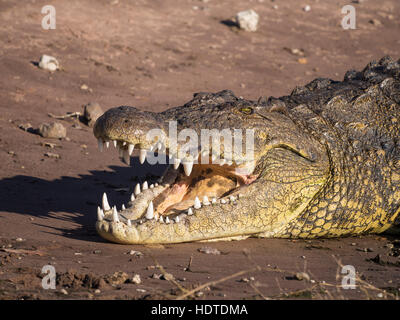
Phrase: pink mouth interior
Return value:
(213, 181)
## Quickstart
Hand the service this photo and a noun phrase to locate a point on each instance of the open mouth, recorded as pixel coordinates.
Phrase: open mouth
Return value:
(185, 187)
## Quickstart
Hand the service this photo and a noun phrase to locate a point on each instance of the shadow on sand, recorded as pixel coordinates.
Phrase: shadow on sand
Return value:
(74, 199)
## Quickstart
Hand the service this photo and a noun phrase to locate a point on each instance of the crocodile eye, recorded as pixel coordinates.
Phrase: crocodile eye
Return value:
(246, 110)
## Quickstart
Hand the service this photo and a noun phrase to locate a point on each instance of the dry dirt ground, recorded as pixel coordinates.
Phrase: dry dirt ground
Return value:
(155, 55)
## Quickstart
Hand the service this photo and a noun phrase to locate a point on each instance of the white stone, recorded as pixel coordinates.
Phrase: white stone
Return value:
(48, 63)
(247, 20)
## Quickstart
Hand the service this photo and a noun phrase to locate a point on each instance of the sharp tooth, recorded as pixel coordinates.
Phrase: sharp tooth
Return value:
(124, 143)
(137, 189)
(130, 148)
(232, 198)
(206, 202)
(132, 197)
(167, 220)
(176, 219)
(177, 162)
(229, 163)
(151, 186)
(150, 211)
(156, 184)
(100, 214)
(145, 186)
(223, 201)
(159, 146)
(197, 203)
(190, 212)
(213, 158)
(105, 204)
(129, 223)
(107, 143)
(187, 167)
(214, 200)
(123, 207)
(142, 155)
(161, 219)
(100, 144)
(127, 157)
(115, 214)
(115, 143)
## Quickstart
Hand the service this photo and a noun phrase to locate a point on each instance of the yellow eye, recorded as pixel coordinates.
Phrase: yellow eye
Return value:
(246, 110)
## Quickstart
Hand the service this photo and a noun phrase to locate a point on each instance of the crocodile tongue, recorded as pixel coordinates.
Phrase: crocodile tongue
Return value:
(205, 180)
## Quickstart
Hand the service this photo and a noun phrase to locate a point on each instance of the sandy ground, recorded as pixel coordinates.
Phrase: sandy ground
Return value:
(155, 55)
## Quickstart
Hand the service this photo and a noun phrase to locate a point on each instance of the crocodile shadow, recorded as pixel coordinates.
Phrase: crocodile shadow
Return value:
(73, 199)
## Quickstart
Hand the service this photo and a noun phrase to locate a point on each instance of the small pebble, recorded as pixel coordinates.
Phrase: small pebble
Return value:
(25, 126)
(302, 276)
(375, 22)
(91, 112)
(136, 279)
(209, 250)
(48, 63)
(135, 253)
(53, 130)
(302, 60)
(167, 276)
(52, 155)
(247, 20)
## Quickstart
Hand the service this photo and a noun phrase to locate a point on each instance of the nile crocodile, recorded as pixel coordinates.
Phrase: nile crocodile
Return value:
(326, 163)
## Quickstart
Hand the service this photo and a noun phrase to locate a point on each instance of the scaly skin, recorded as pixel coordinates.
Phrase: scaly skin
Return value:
(327, 161)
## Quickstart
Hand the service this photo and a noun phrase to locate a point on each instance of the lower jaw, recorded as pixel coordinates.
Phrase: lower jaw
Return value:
(177, 195)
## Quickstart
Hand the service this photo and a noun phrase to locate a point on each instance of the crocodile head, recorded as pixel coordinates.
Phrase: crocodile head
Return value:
(253, 185)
